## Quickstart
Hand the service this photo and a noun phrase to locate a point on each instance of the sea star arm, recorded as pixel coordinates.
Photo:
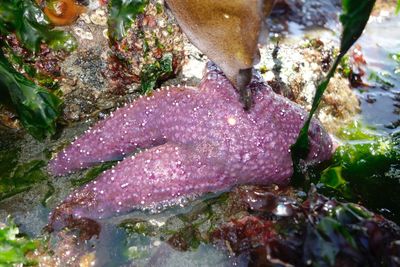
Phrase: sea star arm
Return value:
(137, 125)
(157, 175)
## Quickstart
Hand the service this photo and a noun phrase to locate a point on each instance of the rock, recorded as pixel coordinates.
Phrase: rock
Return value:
(293, 70)
(296, 70)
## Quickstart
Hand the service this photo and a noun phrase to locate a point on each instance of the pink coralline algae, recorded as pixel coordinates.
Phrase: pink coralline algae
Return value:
(193, 140)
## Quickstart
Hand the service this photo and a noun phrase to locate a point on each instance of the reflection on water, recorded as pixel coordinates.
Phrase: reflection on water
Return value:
(380, 103)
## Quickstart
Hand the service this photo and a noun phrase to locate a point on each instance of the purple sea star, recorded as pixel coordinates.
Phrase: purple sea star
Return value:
(197, 140)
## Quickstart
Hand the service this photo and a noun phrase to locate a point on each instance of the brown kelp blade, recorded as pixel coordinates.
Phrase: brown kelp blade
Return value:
(227, 31)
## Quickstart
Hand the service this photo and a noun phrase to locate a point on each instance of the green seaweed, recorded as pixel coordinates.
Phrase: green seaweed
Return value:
(17, 177)
(8, 160)
(398, 7)
(13, 247)
(344, 67)
(20, 63)
(335, 233)
(122, 13)
(362, 171)
(37, 108)
(21, 178)
(159, 8)
(93, 173)
(355, 131)
(381, 79)
(32, 27)
(153, 73)
(354, 17)
(328, 230)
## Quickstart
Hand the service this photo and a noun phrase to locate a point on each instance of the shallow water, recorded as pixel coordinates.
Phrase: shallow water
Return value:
(116, 245)
(380, 103)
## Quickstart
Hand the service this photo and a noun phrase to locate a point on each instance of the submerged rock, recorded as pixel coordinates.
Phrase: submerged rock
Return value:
(268, 226)
(316, 231)
(295, 70)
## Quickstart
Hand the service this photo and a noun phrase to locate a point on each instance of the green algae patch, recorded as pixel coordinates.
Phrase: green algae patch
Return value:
(355, 131)
(382, 79)
(37, 108)
(22, 178)
(16, 177)
(93, 173)
(336, 233)
(344, 67)
(8, 159)
(122, 13)
(13, 246)
(368, 172)
(31, 26)
(153, 73)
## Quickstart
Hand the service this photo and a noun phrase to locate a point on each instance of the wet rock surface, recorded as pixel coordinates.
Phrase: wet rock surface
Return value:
(295, 71)
(99, 77)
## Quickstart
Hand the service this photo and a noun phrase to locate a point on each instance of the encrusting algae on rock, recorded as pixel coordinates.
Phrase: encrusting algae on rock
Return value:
(197, 141)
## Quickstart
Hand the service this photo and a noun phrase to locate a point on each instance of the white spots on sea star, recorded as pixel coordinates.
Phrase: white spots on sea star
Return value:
(231, 121)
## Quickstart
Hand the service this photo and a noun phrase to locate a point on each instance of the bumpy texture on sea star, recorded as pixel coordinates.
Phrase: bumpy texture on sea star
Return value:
(197, 140)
